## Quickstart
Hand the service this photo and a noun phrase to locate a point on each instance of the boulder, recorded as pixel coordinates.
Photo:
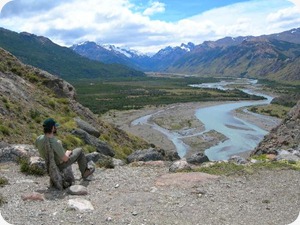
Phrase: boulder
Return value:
(94, 156)
(101, 147)
(237, 160)
(197, 158)
(118, 162)
(180, 165)
(291, 155)
(60, 87)
(15, 152)
(80, 205)
(87, 127)
(77, 190)
(37, 163)
(150, 154)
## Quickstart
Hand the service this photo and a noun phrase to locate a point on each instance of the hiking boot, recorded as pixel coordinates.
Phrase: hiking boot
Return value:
(88, 172)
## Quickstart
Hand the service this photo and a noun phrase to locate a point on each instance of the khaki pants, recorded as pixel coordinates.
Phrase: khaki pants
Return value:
(76, 156)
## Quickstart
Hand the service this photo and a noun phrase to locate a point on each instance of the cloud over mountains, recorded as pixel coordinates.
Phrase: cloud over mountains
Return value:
(125, 23)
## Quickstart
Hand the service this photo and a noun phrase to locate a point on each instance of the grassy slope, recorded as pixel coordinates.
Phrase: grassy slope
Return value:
(61, 61)
(28, 102)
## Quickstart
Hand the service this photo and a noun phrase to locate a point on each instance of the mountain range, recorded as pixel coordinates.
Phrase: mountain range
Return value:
(274, 56)
(41, 52)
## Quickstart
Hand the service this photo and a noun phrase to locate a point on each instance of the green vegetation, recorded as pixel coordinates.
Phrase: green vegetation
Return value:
(101, 96)
(28, 169)
(2, 200)
(287, 96)
(274, 110)
(3, 181)
(105, 162)
(31, 101)
(227, 169)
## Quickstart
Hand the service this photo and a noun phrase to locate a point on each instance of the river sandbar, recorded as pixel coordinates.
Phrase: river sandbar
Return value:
(179, 118)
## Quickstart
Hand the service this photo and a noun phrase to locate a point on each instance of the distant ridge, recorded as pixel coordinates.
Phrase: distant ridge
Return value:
(275, 57)
(41, 52)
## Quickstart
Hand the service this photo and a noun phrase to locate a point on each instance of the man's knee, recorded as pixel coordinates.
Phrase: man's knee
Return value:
(78, 151)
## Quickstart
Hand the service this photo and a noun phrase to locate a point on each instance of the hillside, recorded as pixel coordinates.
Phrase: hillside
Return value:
(285, 136)
(29, 95)
(61, 61)
(274, 57)
(255, 58)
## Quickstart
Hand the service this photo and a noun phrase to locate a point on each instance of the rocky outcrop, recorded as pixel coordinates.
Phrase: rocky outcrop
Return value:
(15, 152)
(197, 158)
(152, 154)
(87, 127)
(59, 86)
(101, 147)
(285, 136)
(180, 166)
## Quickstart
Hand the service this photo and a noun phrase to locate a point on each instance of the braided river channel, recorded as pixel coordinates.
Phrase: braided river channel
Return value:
(241, 136)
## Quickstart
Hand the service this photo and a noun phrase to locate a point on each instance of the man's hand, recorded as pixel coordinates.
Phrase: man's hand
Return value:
(67, 155)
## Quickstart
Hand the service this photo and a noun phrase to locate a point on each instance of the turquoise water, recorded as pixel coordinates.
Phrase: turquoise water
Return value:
(241, 135)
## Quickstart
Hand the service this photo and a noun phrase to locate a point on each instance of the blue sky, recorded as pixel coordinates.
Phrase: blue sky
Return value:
(148, 25)
(179, 9)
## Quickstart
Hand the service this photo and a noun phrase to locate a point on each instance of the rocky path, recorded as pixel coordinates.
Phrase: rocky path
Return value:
(149, 194)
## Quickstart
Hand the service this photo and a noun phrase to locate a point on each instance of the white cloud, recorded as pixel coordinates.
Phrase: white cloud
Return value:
(156, 7)
(296, 3)
(115, 22)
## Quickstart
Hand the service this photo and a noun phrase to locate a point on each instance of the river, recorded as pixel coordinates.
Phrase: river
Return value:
(241, 135)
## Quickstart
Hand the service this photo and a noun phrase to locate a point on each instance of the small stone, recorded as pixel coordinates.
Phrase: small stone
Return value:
(33, 197)
(81, 205)
(108, 219)
(134, 213)
(77, 190)
(153, 189)
(117, 185)
(180, 165)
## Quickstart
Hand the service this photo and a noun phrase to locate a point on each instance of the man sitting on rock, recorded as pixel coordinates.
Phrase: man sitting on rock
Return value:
(62, 158)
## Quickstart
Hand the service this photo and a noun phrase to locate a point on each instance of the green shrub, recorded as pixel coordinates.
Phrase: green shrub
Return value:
(34, 113)
(70, 141)
(4, 130)
(105, 162)
(89, 149)
(30, 170)
(2, 200)
(224, 168)
(3, 181)
(63, 100)
(33, 78)
(51, 103)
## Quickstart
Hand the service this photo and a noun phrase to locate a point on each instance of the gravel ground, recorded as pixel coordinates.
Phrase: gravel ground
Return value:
(152, 195)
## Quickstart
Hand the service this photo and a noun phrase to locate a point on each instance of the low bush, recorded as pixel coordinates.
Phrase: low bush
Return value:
(26, 168)
(3, 181)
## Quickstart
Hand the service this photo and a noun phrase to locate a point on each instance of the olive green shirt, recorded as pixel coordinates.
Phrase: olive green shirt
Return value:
(55, 144)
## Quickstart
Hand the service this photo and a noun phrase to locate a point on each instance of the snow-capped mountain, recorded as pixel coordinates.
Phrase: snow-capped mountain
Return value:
(230, 56)
(109, 54)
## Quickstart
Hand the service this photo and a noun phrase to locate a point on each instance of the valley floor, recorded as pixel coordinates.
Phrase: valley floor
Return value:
(180, 118)
(148, 194)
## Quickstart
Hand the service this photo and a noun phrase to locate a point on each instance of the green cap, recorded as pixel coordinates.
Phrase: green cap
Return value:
(50, 123)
